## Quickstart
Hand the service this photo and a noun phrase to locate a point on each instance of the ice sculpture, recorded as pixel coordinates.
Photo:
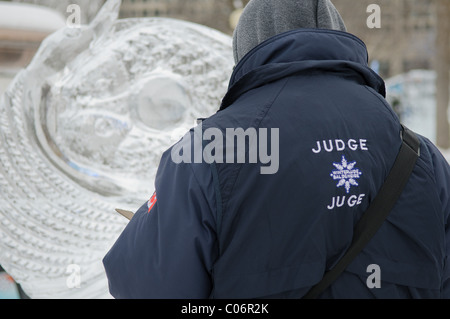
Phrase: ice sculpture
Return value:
(82, 129)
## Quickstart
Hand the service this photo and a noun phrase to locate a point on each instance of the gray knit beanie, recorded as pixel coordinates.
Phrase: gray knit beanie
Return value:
(263, 19)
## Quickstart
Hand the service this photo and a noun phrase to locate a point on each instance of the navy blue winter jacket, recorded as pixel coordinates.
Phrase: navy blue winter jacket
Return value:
(233, 227)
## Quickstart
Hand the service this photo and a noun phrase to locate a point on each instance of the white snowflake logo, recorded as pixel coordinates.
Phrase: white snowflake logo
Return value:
(346, 174)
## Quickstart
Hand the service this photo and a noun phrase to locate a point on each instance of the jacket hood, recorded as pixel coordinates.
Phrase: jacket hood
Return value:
(263, 19)
(303, 51)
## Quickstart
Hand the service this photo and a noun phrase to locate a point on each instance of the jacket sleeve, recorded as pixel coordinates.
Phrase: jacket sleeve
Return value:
(168, 248)
(442, 175)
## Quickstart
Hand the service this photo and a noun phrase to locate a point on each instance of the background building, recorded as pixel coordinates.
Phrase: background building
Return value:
(404, 42)
(212, 13)
(406, 39)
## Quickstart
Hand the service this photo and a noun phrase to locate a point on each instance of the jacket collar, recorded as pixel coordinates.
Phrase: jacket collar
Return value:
(302, 50)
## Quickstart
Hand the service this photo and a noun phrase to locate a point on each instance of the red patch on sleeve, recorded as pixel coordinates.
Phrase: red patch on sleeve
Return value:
(151, 202)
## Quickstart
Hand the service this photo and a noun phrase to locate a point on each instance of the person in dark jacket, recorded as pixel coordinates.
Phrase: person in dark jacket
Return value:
(261, 199)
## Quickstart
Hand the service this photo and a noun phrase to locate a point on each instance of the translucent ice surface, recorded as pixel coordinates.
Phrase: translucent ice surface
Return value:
(82, 129)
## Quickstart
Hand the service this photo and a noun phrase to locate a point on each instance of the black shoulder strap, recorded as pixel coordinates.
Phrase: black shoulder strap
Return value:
(378, 210)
